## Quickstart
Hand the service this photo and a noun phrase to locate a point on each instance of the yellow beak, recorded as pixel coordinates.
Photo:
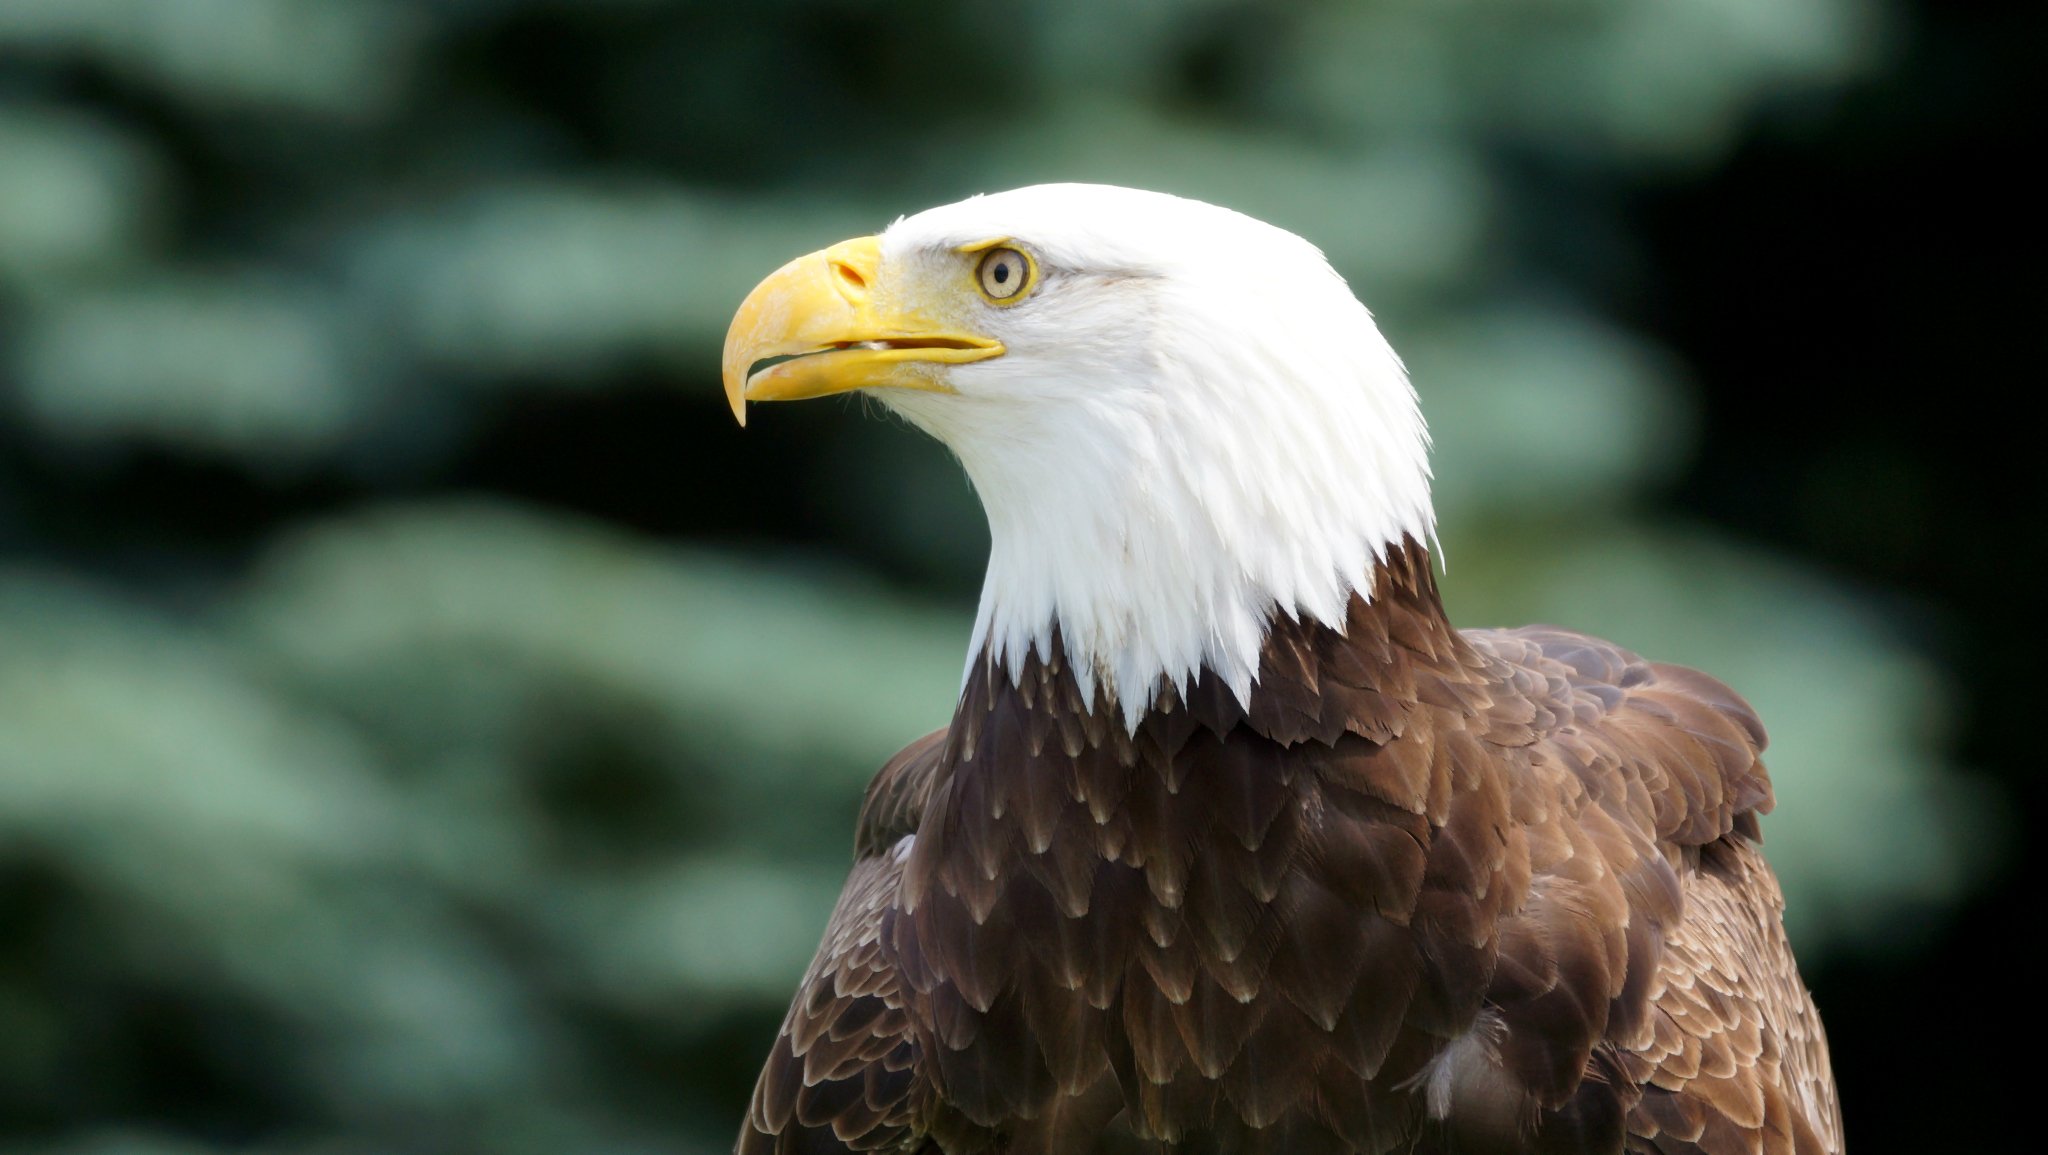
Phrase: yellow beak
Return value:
(828, 314)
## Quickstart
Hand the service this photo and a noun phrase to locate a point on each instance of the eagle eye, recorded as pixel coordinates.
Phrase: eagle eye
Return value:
(1004, 274)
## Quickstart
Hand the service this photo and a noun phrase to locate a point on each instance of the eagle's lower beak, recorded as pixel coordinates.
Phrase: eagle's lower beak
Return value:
(825, 314)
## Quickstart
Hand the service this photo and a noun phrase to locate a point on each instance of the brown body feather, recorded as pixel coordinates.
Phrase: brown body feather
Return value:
(1495, 891)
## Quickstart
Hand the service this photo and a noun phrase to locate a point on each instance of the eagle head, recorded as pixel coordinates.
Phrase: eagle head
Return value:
(1179, 420)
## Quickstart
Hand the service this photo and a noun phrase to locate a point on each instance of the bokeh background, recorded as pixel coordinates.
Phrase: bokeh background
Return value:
(427, 725)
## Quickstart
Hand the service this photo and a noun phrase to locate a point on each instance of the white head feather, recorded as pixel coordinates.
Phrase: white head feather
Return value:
(1194, 426)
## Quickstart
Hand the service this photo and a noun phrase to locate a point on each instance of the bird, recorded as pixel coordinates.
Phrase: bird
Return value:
(1234, 843)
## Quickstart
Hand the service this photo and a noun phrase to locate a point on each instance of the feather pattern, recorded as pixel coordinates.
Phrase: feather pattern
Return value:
(1421, 890)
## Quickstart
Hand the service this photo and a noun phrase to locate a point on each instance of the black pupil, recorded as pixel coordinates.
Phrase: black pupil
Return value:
(1002, 272)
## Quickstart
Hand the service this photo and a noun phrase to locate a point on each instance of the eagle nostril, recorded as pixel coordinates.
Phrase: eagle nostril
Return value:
(849, 280)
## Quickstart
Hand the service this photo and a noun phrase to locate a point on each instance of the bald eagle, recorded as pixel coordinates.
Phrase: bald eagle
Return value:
(1234, 843)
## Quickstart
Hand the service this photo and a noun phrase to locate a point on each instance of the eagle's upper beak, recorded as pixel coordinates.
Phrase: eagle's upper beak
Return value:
(841, 329)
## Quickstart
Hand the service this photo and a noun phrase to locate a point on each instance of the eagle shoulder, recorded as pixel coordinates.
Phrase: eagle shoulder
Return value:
(1643, 983)
(842, 1073)
(897, 796)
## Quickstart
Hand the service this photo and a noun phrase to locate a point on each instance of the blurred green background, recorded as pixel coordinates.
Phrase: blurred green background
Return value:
(427, 725)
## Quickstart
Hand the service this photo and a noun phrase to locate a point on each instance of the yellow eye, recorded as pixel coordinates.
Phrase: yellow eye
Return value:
(1004, 274)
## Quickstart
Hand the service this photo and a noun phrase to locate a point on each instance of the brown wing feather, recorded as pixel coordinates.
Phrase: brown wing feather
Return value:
(1648, 971)
(1736, 1062)
(842, 1073)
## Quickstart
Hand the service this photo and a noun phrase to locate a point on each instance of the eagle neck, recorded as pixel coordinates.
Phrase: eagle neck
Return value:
(1151, 566)
(1316, 680)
